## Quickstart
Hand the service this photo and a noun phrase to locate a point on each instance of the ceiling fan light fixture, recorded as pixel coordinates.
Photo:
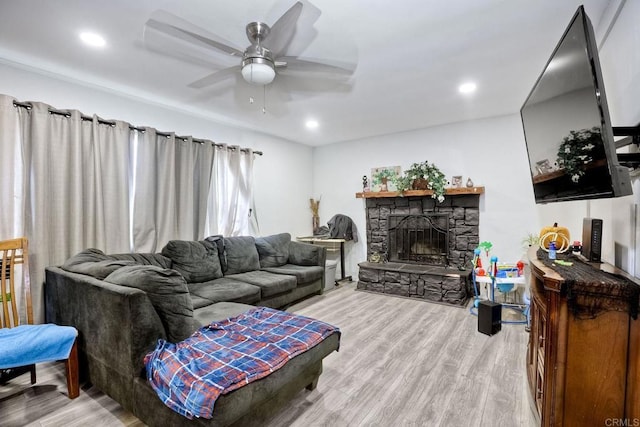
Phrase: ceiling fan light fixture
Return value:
(258, 71)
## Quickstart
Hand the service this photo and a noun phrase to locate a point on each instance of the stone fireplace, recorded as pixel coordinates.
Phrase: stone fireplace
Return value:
(424, 246)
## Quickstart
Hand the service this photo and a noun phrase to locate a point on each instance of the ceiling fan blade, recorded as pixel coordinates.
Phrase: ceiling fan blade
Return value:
(283, 30)
(164, 47)
(174, 26)
(215, 77)
(297, 64)
(305, 31)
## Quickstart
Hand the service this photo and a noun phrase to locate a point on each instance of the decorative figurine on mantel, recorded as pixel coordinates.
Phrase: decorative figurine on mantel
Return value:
(365, 184)
(469, 183)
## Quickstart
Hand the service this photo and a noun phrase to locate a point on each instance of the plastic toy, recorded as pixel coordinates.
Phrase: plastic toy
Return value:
(503, 276)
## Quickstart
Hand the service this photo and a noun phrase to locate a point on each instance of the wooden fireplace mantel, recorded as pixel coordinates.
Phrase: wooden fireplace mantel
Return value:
(418, 193)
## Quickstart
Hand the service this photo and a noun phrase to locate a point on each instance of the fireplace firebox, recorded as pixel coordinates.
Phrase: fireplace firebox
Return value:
(420, 239)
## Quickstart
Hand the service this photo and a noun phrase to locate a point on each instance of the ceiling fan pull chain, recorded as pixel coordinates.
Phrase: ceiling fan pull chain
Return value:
(264, 99)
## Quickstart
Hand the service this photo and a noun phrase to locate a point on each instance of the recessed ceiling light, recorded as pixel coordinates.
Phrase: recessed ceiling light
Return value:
(467, 87)
(92, 39)
(312, 124)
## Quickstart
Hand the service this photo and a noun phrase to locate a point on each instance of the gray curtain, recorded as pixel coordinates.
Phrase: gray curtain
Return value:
(154, 199)
(109, 177)
(194, 164)
(12, 195)
(171, 186)
(12, 178)
(70, 182)
(75, 186)
(202, 177)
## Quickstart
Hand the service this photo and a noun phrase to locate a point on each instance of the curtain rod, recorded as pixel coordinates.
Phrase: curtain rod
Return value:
(64, 113)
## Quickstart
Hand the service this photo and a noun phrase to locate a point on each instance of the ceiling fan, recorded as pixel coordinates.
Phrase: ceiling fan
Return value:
(265, 59)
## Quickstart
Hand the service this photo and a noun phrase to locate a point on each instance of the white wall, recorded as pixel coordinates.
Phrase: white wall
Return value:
(620, 60)
(492, 152)
(282, 175)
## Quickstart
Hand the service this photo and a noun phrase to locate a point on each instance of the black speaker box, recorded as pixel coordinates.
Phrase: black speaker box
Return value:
(592, 239)
(489, 317)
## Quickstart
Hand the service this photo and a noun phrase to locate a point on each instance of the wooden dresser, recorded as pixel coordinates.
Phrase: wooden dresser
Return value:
(583, 356)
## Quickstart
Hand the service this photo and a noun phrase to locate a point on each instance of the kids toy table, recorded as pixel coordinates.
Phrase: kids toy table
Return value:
(511, 283)
(499, 283)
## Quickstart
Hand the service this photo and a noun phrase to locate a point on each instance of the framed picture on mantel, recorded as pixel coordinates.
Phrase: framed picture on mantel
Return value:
(382, 178)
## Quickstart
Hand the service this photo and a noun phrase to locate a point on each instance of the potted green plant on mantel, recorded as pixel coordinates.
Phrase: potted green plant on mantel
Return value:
(423, 176)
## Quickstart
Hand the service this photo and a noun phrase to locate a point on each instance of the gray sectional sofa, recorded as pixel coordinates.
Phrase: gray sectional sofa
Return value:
(122, 304)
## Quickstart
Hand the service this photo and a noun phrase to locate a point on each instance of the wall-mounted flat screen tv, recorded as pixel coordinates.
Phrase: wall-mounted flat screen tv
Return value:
(572, 153)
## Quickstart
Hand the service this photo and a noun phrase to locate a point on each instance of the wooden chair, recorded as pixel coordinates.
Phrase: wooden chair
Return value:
(23, 344)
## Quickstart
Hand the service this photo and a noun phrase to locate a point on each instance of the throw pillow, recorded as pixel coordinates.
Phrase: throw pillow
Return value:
(156, 259)
(168, 293)
(94, 263)
(196, 261)
(88, 255)
(218, 240)
(99, 269)
(273, 250)
(241, 254)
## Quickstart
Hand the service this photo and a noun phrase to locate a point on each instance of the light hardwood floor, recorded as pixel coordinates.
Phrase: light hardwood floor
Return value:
(401, 363)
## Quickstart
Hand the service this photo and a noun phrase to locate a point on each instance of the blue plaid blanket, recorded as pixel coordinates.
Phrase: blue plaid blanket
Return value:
(190, 375)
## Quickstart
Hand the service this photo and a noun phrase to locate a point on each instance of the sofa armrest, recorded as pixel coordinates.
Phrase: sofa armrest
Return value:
(307, 254)
(117, 325)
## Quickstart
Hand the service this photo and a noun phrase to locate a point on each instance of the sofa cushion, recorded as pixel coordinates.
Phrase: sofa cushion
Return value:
(167, 291)
(306, 254)
(218, 240)
(219, 311)
(305, 274)
(241, 254)
(198, 301)
(270, 283)
(225, 289)
(156, 259)
(273, 250)
(196, 261)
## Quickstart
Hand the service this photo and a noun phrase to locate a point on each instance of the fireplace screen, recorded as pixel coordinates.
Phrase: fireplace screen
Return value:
(421, 239)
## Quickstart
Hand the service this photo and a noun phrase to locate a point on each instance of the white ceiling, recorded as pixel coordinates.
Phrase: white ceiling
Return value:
(411, 55)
